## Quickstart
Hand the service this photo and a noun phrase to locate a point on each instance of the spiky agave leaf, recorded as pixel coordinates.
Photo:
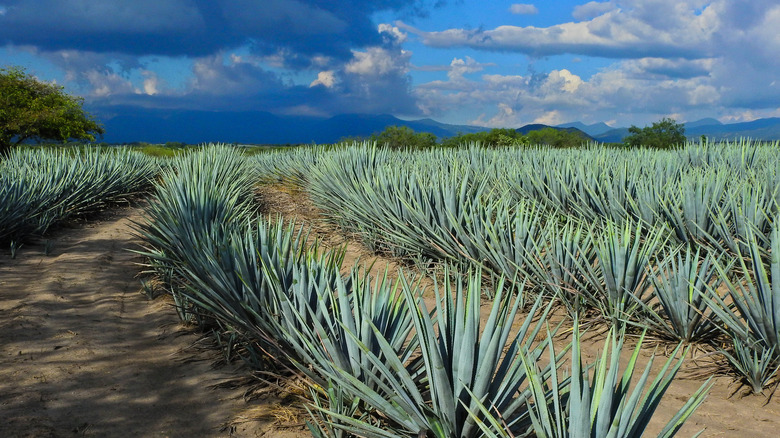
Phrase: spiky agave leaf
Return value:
(323, 329)
(39, 188)
(679, 283)
(754, 311)
(602, 404)
(624, 254)
(563, 260)
(687, 205)
(752, 317)
(458, 368)
(754, 362)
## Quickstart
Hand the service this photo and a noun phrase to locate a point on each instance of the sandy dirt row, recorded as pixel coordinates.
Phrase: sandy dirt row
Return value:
(83, 352)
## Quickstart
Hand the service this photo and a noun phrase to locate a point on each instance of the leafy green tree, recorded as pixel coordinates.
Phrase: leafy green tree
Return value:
(404, 137)
(663, 134)
(494, 137)
(35, 110)
(557, 138)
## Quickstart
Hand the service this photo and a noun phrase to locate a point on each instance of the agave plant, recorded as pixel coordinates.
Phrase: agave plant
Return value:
(748, 205)
(457, 370)
(562, 260)
(39, 188)
(330, 406)
(755, 308)
(508, 236)
(680, 282)
(756, 363)
(331, 324)
(624, 255)
(752, 318)
(687, 205)
(599, 402)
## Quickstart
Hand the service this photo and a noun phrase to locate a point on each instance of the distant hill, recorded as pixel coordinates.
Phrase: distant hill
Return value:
(761, 129)
(538, 126)
(612, 136)
(702, 123)
(592, 130)
(259, 127)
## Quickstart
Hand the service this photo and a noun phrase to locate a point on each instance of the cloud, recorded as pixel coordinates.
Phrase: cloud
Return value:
(222, 54)
(523, 9)
(632, 91)
(374, 80)
(377, 80)
(107, 84)
(591, 10)
(308, 28)
(151, 83)
(623, 29)
(376, 61)
(690, 58)
(325, 78)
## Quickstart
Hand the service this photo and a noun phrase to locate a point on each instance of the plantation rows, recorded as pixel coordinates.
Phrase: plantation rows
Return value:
(680, 245)
(537, 221)
(40, 188)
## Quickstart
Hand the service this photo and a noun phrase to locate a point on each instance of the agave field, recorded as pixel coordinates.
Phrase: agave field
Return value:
(41, 188)
(680, 246)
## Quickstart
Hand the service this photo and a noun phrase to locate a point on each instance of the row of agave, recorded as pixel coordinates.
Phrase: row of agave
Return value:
(41, 187)
(381, 362)
(659, 267)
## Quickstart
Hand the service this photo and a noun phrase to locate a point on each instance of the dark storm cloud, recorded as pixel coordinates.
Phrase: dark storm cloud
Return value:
(196, 27)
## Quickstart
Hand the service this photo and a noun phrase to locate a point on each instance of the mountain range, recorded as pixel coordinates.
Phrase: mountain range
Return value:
(259, 127)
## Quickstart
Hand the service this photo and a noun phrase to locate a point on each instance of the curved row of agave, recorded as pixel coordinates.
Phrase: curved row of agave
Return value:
(638, 236)
(39, 188)
(381, 362)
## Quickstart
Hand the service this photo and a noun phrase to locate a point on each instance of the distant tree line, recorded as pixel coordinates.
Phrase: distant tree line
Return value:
(664, 134)
(403, 137)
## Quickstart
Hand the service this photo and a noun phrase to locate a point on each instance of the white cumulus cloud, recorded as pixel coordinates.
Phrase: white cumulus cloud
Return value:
(325, 78)
(523, 9)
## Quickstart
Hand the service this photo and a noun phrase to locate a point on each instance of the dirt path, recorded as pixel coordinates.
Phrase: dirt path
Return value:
(84, 353)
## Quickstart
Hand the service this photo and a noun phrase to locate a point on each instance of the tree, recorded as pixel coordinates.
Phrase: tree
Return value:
(35, 110)
(663, 134)
(494, 137)
(404, 137)
(557, 138)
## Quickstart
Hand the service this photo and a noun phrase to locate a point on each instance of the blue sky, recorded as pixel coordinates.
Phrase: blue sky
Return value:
(497, 64)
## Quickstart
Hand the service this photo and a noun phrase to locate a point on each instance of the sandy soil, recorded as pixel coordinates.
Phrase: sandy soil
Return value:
(83, 352)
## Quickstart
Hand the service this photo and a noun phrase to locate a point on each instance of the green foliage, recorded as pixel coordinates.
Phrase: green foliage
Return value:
(175, 144)
(663, 134)
(35, 110)
(154, 150)
(494, 137)
(749, 313)
(679, 284)
(404, 137)
(557, 138)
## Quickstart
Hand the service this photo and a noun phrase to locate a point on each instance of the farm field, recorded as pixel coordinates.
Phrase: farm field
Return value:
(678, 243)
